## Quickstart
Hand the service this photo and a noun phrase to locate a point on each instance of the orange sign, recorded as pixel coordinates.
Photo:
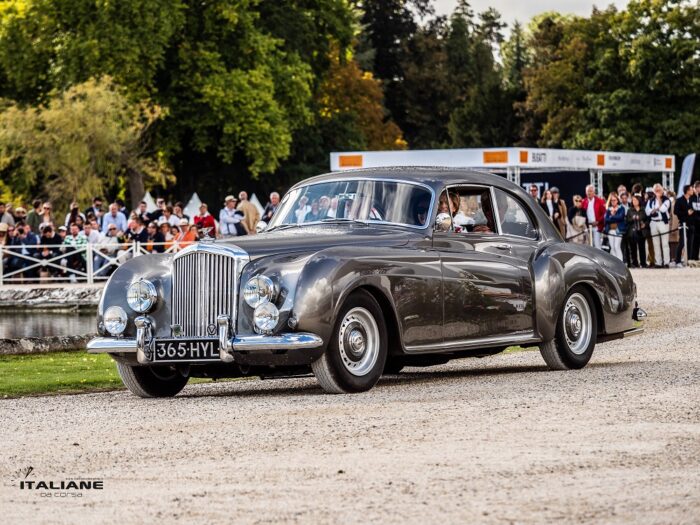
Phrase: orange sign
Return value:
(600, 160)
(350, 161)
(669, 163)
(492, 157)
(523, 156)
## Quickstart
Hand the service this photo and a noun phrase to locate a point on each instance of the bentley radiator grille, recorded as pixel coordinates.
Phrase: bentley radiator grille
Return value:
(204, 286)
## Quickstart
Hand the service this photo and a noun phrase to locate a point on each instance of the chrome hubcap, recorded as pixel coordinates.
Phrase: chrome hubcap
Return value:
(577, 323)
(358, 341)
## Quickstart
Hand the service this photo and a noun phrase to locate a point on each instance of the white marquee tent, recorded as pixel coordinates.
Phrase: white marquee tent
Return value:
(515, 161)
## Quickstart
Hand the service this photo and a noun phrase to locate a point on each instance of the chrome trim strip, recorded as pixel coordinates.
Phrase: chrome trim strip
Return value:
(368, 222)
(230, 250)
(293, 341)
(251, 343)
(104, 345)
(468, 344)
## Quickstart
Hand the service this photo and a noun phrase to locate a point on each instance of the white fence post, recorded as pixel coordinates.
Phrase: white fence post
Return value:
(685, 242)
(88, 263)
(590, 235)
(2, 265)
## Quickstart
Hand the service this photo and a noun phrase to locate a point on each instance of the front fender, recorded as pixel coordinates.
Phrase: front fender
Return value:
(156, 268)
(559, 267)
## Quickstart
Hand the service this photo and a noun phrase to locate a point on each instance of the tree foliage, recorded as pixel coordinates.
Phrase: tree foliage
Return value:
(618, 80)
(259, 92)
(81, 143)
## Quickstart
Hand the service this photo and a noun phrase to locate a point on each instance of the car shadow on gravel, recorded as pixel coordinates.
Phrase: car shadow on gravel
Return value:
(266, 388)
(259, 389)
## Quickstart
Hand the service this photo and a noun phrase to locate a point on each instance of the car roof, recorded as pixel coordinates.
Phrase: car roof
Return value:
(435, 177)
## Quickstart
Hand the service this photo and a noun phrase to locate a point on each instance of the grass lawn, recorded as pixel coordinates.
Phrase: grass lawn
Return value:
(59, 373)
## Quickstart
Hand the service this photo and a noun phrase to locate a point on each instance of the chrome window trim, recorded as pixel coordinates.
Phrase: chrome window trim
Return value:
(527, 212)
(489, 187)
(524, 337)
(372, 179)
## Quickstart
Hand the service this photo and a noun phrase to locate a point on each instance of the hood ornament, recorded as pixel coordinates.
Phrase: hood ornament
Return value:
(205, 235)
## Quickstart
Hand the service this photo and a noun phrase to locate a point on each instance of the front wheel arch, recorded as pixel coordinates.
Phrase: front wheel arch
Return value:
(595, 298)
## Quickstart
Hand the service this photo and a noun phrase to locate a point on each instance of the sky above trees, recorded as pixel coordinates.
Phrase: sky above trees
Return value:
(512, 10)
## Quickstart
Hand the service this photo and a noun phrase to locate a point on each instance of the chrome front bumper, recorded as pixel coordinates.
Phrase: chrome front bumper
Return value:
(144, 342)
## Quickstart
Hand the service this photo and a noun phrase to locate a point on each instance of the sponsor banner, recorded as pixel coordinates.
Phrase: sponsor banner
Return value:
(526, 158)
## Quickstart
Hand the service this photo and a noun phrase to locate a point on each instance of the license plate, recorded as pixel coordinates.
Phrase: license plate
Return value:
(169, 350)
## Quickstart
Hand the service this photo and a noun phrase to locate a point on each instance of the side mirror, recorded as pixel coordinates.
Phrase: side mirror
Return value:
(442, 223)
(261, 226)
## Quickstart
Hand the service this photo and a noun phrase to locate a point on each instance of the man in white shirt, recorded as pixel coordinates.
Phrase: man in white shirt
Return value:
(230, 218)
(114, 217)
(658, 210)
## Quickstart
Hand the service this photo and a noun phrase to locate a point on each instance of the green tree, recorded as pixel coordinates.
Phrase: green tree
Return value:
(618, 80)
(82, 142)
(483, 114)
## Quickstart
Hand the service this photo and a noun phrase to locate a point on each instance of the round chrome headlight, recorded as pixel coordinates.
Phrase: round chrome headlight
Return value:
(141, 296)
(265, 317)
(114, 320)
(259, 290)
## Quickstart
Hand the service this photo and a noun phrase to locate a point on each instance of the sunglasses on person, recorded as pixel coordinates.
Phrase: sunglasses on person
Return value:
(533, 190)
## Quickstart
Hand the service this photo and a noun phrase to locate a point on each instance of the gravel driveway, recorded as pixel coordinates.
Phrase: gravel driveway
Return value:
(496, 440)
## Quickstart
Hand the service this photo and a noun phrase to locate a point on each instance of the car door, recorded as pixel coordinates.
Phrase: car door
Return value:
(486, 283)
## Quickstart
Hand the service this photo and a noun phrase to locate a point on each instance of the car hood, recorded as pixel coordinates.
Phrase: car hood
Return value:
(316, 238)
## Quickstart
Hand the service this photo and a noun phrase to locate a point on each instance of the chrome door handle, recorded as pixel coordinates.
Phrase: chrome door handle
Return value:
(503, 246)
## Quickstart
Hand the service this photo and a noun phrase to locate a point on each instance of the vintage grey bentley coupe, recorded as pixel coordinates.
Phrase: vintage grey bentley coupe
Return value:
(361, 273)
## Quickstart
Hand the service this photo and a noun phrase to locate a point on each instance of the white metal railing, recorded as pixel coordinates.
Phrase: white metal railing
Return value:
(90, 263)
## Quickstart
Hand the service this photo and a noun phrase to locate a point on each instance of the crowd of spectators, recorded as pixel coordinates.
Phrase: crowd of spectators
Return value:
(642, 227)
(44, 245)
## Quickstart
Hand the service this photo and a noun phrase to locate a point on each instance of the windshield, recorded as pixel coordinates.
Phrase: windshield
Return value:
(356, 200)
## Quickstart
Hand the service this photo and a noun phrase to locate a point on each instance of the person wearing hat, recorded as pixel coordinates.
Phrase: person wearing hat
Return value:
(560, 211)
(183, 236)
(20, 215)
(231, 219)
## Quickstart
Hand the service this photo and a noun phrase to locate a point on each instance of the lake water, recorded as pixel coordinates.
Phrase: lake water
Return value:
(14, 325)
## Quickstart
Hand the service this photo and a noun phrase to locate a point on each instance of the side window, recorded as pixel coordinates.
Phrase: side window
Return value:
(515, 220)
(466, 210)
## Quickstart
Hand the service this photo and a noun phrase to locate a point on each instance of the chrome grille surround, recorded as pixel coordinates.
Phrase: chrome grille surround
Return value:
(205, 285)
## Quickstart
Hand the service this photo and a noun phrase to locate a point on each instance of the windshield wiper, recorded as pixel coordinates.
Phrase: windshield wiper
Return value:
(284, 226)
(344, 219)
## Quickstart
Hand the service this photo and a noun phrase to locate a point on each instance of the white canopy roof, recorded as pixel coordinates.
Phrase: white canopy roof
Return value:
(192, 206)
(500, 159)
